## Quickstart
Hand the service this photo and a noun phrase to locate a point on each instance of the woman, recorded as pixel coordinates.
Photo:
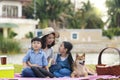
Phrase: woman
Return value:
(48, 41)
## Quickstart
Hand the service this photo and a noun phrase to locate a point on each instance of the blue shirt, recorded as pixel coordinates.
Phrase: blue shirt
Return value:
(36, 58)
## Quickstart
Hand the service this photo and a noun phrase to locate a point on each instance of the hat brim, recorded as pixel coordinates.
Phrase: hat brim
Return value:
(57, 35)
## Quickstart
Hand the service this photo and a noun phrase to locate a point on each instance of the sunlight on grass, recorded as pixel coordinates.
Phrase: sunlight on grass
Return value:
(91, 66)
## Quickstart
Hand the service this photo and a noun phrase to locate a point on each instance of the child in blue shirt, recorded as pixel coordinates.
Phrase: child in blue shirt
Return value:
(63, 62)
(35, 60)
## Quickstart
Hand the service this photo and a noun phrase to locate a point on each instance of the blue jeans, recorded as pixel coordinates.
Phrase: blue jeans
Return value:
(62, 73)
(27, 72)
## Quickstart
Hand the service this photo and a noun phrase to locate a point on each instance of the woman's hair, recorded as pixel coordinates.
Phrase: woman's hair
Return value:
(69, 47)
(43, 41)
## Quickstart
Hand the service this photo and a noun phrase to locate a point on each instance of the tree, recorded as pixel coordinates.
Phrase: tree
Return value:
(61, 13)
(27, 11)
(90, 16)
(75, 20)
(113, 12)
(48, 11)
(85, 17)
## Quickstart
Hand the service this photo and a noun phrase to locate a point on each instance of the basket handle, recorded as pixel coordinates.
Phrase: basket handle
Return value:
(99, 57)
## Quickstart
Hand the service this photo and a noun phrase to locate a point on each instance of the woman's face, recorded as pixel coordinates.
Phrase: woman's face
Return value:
(50, 39)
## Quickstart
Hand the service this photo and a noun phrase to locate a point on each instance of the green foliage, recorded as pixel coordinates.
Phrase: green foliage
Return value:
(61, 13)
(29, 35)
(91, 17)
(1, 36)
(11, 34)
(86, 17)
(18, 68)
(113, 12)
(76, 21)
(9, 46)
(111, 32)
(108, 33)
(47, 11)
(54, 10)
(27, 11)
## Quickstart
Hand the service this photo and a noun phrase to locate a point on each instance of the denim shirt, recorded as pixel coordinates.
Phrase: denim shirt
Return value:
(36, 58)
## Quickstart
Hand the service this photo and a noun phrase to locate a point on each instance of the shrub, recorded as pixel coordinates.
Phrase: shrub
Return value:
(111, 32)
(29, 35)
(9, 46)
(12, 34)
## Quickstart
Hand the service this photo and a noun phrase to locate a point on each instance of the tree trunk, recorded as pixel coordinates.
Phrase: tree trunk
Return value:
(53, 24)
(44, 24)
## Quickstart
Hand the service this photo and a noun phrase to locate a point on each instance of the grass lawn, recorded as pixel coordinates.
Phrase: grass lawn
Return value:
(18, 67)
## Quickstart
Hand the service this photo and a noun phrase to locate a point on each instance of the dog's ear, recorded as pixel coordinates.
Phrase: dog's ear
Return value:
(77, 55)
(83, 54)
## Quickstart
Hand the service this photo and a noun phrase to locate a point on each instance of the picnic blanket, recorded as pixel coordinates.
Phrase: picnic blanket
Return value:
(90, 77)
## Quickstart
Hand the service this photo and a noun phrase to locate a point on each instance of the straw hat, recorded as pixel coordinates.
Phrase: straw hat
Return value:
(49, 30)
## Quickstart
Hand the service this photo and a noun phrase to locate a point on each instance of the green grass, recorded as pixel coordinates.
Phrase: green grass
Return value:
(18, 67)
(91, 66)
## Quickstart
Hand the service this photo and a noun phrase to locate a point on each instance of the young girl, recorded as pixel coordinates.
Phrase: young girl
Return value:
(62, 66)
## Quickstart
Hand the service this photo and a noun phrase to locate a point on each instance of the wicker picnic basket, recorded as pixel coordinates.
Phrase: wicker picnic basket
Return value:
(102, 69)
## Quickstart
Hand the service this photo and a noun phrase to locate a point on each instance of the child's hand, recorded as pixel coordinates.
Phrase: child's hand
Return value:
(35, 65)
(52, 61)
(47, 68)
(25, 65)
(29, 64)
(32, 64)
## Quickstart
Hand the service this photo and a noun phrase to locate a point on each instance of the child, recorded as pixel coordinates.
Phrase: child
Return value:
(63, 61)
(35, 61)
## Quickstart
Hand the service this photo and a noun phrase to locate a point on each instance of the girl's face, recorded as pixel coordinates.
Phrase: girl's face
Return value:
(36, 45)
(50, 39)
(62, 49)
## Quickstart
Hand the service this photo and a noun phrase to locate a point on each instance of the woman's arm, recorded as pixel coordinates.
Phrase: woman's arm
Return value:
(53, 61)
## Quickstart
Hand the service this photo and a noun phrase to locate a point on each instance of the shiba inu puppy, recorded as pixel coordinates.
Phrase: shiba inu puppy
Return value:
(79, 68)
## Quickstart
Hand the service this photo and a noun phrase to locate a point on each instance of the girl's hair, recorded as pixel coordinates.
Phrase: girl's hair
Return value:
(36, 39)
(43, 41)
(69, 47)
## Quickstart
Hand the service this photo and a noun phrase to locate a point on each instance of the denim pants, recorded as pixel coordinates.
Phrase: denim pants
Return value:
(27, 72)
(41, 72)
(64, 72)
